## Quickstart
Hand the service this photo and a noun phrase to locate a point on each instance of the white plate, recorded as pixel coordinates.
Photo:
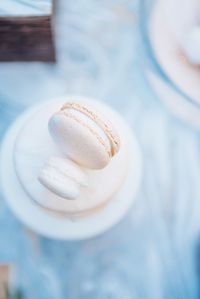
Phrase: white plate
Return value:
(48, 224)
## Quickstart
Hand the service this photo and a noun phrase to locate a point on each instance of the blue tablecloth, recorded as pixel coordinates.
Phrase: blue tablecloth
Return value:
(153, 253)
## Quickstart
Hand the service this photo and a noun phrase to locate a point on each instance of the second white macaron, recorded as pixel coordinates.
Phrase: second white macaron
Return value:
(63, 177)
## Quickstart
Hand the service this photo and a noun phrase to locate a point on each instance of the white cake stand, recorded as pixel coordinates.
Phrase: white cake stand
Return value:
(50, 225)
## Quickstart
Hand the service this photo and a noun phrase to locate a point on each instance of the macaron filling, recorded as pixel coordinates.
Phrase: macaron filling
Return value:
(92, 126)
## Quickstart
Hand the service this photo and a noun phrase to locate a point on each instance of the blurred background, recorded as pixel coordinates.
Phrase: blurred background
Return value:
(105, 49)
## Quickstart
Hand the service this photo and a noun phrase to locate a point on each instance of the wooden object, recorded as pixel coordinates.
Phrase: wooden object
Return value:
(4, 280)
(25, 33)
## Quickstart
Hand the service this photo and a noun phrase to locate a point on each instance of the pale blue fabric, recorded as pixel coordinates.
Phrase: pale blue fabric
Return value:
(153, 253)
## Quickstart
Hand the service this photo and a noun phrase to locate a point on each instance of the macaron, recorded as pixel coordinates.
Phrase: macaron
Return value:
(84, 135)
(191, 45)
(63, 177)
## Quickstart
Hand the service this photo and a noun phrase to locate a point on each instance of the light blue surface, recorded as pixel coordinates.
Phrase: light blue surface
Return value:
(153, 253)
(25, 7)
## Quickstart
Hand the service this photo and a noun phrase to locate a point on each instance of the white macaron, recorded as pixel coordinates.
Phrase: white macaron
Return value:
(191, 45)
(63, 177)
(84, 135)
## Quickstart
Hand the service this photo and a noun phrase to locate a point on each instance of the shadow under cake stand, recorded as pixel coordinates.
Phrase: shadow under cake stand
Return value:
(49, 224)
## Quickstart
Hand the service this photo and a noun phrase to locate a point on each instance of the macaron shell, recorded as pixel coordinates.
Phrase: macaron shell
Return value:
(78, 141)
(100, 119)
(59, 184)
(68, 168)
